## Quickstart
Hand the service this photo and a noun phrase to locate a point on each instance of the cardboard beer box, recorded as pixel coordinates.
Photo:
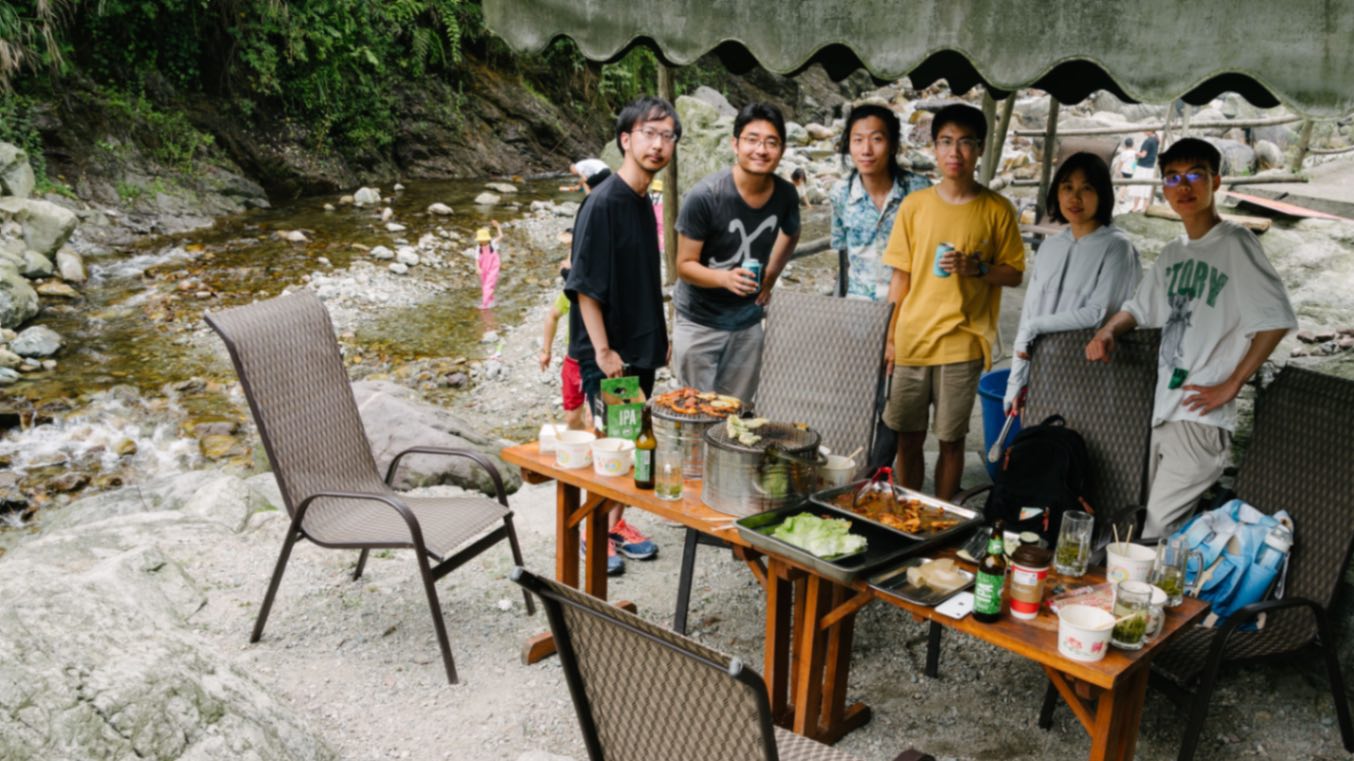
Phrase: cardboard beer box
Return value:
(623, 404)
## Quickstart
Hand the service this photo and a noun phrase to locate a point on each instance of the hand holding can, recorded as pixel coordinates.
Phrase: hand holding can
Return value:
(945, 254)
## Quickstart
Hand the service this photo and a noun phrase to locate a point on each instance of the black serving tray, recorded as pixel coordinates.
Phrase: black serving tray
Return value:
(884, 545)
(968, 519)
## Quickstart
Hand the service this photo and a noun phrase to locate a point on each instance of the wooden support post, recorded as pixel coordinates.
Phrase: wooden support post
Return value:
(989, 119)
(997, 142)
(667, 90)
(1050, 148)
(1304, 142)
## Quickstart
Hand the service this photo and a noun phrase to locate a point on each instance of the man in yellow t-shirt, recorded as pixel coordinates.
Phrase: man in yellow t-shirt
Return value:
(954, 246)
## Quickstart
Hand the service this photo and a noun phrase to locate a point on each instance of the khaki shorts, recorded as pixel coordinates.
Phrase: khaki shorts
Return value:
(951, 388)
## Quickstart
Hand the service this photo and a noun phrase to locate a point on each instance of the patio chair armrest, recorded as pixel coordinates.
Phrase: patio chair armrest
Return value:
(1265, 606)
(478, 458)
(411, 520)
(912, 754)
(964, 496)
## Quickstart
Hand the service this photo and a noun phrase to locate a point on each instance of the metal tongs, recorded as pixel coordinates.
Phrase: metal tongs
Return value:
(881, 481)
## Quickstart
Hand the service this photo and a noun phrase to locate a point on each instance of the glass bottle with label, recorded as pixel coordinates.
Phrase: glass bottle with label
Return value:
(645, 445)
(991, 582)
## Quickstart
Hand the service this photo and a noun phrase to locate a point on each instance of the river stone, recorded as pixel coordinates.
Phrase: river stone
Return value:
(819, 132)
(440, 209)
(70, 266)
(395, 227)
(46, 225)
(1237, 158)
(37, 341)
(292, 236)
(506, 188)
(387, 214)
(8, 375)
(397, 268)
(222, 446)
(16, 175)
(716, 99)
(396, 418)
(486, 199)
(366, 197)
(9, 359)
(18, 300)
(1268, 155)
(36, 265)
(381, 252)
(795, 134)
(57, 289)
(407, 256)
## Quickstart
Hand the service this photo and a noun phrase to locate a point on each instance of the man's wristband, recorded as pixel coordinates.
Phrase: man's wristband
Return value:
(983, 269)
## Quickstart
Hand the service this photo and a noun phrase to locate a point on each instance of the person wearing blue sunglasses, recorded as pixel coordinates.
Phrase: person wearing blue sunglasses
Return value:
(1222, 310)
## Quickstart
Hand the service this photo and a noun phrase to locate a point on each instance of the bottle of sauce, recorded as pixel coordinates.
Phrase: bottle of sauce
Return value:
(987, 591)
(645, 446)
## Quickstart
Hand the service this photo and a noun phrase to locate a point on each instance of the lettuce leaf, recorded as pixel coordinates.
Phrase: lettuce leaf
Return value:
(824, 537)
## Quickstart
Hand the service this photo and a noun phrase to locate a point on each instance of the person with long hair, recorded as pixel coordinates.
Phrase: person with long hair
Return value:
(1084, 273)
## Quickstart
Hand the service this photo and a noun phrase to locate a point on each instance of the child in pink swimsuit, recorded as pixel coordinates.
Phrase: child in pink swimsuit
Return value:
(488, 263)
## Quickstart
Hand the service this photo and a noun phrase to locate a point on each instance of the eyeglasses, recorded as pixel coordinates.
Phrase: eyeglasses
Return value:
(769, 143)
(965, 144)
(652, 134)
(1175, 178)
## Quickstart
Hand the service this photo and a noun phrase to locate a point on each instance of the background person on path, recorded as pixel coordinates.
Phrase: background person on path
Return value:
(1146, 169)
(730, 219)
(864, 206)
(576, 415)
(1081, 275)
(617, 326)
(1222, 310)
(488, 262)
(590, 173)
(946, 319)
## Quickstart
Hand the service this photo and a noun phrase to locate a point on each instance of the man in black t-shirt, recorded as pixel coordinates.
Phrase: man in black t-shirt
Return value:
(1142, 195)
(616, 324)
(734, 224)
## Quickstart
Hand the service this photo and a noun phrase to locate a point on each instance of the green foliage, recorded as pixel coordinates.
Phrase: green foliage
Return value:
(173, 139)
(17, 127)
(634, 75)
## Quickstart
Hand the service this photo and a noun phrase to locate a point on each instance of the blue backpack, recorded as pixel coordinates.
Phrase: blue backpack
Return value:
(1230, 539)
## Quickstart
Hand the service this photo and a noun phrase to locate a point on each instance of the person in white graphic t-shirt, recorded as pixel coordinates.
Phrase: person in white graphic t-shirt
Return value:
(1222, 310)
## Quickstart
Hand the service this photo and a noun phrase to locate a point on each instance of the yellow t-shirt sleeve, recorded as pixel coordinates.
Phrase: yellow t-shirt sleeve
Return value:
(898, 251)
(1010, 247)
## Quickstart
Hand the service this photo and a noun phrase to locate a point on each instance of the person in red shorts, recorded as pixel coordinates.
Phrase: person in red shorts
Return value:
(576, 415)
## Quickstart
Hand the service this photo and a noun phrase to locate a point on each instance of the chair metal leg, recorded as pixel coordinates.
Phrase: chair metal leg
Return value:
(517, 560)
(361, 564)
(1050, 703)
(439, 626)
(292, 536)
(933, 650)
(1198, 712)
(684, 580)
(1337, 682)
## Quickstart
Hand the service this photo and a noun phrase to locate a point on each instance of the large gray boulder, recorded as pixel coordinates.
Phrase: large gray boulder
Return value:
(1237, 157)
(37, 341)
(715, 98)
(99, 657)
(18, 300)
(46, 226)
(396, 418)
(71, 266)
(16, 175)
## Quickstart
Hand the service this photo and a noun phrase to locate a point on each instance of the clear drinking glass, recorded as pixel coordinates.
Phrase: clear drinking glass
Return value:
(1169, 571)
(1074, 544)
(1132, 608)
(667, 480)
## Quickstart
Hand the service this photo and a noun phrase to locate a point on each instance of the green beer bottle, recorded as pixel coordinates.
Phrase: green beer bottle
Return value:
(987, 592)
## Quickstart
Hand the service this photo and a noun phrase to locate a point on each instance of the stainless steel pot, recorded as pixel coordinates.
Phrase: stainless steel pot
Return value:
(744, 480)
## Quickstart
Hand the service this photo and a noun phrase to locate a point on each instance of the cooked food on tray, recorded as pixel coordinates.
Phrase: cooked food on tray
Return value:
(824, 537)
(911, 516)
(744, 431)
(940, 575)
(692, 401)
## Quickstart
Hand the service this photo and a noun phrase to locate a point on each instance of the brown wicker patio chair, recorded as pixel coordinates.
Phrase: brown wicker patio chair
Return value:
(288, 362)
(643, 692)
(1300, 458)
(821, 362)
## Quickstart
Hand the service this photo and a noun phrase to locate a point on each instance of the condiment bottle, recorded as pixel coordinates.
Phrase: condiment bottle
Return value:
(645, 444)
(991, 582)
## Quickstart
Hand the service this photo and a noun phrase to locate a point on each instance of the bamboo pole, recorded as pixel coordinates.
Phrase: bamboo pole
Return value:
(1304, 142)
(1129, 129)
(998, 141)
(1046, 166)
(671, 192)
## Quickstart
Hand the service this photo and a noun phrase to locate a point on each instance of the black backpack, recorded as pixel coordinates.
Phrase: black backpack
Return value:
(1046, 467)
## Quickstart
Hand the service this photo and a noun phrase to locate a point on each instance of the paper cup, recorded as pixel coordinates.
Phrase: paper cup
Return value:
(837, 471)
(1084, 632)
(1027, 589)
(549, 436)
(612, 457)
(573, 449)
(1128, 562)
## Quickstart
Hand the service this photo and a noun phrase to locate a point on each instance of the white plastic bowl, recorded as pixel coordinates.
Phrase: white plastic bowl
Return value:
(573, 449)
(1084, 632)
(837, 471)
(612, 457)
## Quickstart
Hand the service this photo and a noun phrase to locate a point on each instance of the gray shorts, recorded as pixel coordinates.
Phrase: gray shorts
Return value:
(950, 388)
(723, 361)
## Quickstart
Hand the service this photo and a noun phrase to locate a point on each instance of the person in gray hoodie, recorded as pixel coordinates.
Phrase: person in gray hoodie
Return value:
(1084, 273)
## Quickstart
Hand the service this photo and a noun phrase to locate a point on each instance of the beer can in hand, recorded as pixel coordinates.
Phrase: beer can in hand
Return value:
(941, 250)
(755, 267)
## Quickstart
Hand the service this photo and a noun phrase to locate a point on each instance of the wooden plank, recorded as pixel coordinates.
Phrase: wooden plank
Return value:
(1256, 225)
(566, 534)
(778, 645)
(1071, 698)
(594, 567)
(1131, 129)
(844, 608)
(1287, 209)
(812, 654)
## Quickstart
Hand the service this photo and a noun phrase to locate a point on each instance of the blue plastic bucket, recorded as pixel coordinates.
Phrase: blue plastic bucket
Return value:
(991, 392)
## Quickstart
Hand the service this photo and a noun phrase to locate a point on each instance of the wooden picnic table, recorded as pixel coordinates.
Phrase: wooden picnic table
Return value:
(810, 619)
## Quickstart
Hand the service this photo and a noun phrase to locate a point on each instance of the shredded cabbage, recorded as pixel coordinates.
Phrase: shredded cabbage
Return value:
(824, 537)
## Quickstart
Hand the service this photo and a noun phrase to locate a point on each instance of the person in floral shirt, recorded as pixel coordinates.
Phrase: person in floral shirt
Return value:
(865, 204)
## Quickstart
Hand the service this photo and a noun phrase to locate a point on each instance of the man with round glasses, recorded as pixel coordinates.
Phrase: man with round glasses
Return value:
(736, 230)
(1222, 310)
